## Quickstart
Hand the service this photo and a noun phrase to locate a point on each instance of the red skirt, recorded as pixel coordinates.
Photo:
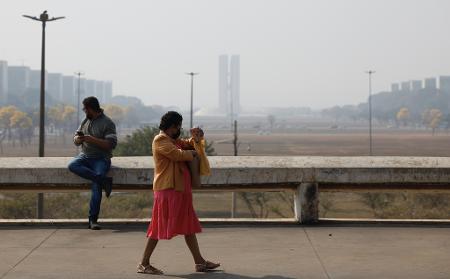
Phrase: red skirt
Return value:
(173, 212)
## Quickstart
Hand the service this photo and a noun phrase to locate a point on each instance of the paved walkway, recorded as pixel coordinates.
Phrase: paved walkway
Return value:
(252, 252)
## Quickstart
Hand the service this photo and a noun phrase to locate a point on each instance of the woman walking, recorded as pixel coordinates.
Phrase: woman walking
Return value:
(173, 212)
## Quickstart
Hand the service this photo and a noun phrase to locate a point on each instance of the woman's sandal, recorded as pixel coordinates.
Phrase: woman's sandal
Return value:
(206, 266)
(149, 269)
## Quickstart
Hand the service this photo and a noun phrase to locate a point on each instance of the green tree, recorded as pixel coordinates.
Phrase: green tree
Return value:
(139, 143)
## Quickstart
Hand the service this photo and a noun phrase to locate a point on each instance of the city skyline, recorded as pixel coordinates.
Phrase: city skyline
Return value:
(294, 53)
(16, 80)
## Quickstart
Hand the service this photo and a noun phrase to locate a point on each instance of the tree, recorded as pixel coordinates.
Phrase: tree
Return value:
(139, 143)
(22, 123)
(62, 117)
(13, 120)
(403, 116)
(5, 118)
(116, 113)
(432, 118)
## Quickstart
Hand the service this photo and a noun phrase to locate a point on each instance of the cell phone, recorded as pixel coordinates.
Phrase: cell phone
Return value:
(80, 133)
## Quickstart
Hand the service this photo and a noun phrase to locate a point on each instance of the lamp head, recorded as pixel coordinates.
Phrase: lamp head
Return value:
(44, 16)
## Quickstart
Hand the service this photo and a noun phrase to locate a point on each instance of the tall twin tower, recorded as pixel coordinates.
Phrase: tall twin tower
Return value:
(229, 85)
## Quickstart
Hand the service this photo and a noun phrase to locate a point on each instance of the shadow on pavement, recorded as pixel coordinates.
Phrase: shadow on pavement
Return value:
(220, 275)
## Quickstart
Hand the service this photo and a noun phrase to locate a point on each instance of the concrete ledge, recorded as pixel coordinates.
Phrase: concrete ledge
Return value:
(228, 172)
(305, 175)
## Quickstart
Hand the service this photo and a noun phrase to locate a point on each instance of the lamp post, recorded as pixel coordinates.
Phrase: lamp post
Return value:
(79, 74)
(44, 18)
(370, 73)
(192, 74)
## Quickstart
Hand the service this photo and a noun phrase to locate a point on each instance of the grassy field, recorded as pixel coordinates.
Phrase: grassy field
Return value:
(326, 143)
(323, 142)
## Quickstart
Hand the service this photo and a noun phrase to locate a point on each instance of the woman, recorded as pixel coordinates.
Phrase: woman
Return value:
(173, 213)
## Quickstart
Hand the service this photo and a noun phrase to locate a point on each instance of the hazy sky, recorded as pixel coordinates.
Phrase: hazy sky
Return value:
(293, 53)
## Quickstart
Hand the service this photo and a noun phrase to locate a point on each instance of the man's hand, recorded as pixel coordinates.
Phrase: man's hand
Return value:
(102, 143)
(194, 153)
(87, 138)
(78, 139)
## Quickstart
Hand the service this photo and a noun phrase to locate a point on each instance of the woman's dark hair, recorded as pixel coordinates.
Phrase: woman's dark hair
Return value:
(169, 119)
(92, 103)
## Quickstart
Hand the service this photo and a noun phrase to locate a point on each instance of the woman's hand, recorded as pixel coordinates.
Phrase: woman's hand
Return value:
(194, 153)
(197, 134)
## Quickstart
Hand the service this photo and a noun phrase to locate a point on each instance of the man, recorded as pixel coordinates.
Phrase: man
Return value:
(97, 137)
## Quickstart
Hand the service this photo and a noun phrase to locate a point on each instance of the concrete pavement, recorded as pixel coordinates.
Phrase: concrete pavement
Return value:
(246, 252)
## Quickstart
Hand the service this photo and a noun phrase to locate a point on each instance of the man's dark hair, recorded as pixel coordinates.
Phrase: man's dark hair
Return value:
(92, 103)
(169, 119)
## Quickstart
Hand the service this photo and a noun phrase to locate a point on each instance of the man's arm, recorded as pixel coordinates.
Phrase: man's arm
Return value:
(77, 139)
(110, 140)
(102, 143)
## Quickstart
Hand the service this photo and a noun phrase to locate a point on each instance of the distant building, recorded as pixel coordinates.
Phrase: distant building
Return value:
(90, 88)
(108, 91)
(55, 86)
(18, 79)
(3, 82)
(69, 87)
(444, 83)
(82, 90)
(100, 91)
(229, 85)
(35, 79)
(430, 83)
(235, 85)
(395, 87)
(416, 85)
(406, 86)
(223, 84)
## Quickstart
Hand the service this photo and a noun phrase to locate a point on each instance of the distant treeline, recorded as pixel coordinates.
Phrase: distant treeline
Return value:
(425, 107)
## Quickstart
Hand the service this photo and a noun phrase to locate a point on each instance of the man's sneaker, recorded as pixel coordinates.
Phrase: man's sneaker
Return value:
(107, 186)
(93, 225)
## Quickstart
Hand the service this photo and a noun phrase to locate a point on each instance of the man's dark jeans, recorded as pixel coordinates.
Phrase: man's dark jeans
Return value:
(95, 170)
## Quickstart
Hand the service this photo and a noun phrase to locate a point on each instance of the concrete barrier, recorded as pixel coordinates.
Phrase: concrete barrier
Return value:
(304, 175)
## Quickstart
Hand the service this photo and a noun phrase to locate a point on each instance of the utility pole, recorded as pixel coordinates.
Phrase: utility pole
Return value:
(79, 74)
(192, 74)
(236, 146)
(370, 72)
(44, 18)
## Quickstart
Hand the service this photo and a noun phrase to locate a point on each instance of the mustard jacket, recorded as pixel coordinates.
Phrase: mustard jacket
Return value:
(170, 161)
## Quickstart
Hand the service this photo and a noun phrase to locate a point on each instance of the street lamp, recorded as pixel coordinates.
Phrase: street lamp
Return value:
(370, 72)
(79, 74)
(192, 74)
(44, 19)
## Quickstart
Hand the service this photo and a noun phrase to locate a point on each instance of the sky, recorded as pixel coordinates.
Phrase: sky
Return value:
(293, 52)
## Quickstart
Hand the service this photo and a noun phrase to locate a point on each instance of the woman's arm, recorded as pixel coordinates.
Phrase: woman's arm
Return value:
(169, 150)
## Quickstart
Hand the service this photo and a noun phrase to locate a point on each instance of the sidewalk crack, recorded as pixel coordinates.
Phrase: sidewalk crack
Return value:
(317, 254)
(28, 254)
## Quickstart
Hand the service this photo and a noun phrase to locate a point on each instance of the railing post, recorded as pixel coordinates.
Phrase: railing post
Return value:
(306, 203)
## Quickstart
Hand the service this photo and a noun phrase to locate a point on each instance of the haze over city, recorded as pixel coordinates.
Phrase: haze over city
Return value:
(292, 53)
